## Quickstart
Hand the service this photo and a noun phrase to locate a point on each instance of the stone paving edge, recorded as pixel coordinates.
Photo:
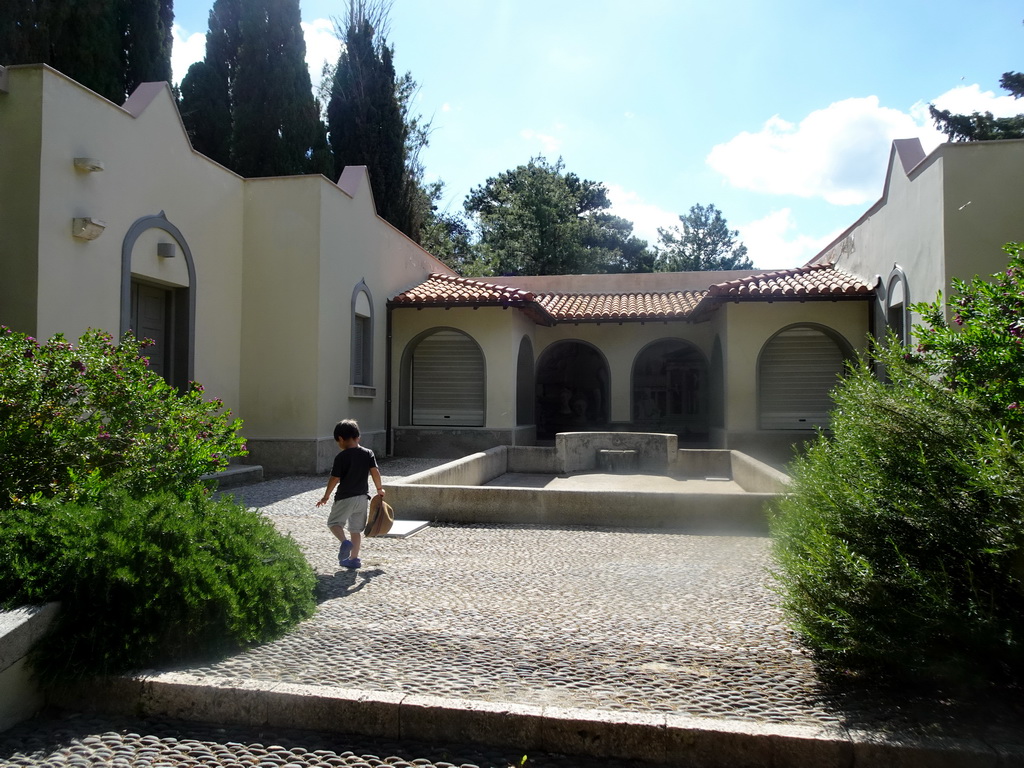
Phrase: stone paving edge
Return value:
(700, 742)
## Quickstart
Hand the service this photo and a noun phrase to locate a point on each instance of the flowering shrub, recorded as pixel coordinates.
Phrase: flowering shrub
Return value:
(980, 353)
(101, 508)
(73, 417)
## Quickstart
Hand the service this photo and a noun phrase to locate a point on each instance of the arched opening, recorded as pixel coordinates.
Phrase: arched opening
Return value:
(797, 369)
(443, 382)
(897, 305)
(670, 390)
(157, 309)
(572, 389)
(525, 396)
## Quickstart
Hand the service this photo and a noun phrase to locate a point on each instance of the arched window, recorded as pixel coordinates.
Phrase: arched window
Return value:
(361, 352)
(797, 369)
(897, 304)
(445, 380)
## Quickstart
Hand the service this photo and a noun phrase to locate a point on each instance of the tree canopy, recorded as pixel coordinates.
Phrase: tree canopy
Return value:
(109, 46)
(705, 243)
(538, 220)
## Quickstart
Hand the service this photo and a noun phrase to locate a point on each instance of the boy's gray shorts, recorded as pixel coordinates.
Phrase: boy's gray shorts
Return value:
(349, 513)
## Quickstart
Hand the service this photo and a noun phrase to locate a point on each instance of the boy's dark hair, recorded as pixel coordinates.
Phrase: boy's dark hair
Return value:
(346, 430)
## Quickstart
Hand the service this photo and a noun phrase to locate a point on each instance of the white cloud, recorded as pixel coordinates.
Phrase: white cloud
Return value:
(186, 50)
(646, 217)
(966, 99)
(837, 153)
(771, 243)
(322, 47)
(550, 145)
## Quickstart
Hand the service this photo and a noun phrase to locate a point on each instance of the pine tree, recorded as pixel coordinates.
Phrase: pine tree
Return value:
(704, 243)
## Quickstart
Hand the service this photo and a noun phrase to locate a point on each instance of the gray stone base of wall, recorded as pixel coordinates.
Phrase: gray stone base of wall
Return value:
(774, 447)
(304, 456)
(455, 442)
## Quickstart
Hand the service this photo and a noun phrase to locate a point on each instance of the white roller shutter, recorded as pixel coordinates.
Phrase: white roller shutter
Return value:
(798, 368)
(448, 381)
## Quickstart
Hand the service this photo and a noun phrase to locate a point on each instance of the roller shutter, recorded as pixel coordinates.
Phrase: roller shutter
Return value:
(798, 369)
(448, 381)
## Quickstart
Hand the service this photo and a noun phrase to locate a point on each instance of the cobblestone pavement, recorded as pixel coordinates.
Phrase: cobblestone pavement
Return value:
(619, 620)
(609, 619)
(87, 742)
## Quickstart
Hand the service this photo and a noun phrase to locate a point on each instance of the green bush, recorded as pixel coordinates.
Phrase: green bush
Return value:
(148, 580)
(72, 417)
(901, 545)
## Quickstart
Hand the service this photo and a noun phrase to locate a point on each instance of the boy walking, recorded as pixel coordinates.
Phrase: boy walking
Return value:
(349, 475)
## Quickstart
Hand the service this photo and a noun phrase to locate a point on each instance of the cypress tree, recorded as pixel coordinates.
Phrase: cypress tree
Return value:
(109, 46)
(205, 104)
(364, 116)
(147, 41)
(275, 116)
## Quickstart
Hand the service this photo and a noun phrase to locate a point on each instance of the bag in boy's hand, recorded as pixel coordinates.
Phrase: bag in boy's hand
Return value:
(380, 518)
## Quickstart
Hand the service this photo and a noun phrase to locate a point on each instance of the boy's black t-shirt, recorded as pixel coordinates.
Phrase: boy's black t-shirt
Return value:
(352, 467)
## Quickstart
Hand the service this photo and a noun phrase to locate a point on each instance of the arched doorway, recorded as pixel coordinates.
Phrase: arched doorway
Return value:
(797, 369)
(443, 381)
(670, 390)
(572, 389)
(160, 310)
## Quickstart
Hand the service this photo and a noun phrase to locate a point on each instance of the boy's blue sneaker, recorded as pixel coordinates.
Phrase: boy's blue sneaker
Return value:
(353, 562)
(346, 547)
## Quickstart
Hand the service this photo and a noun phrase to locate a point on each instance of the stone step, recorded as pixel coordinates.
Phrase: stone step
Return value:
(235, 475)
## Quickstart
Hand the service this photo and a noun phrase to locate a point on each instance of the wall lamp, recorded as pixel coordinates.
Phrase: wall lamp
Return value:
(87, 228)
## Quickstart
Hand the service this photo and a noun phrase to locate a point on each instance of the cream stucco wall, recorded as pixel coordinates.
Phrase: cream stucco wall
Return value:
(20, 145)
(747, 327)
(281, 355)
(275, 260)
(949, 216)
(149, 168)
(984, 206)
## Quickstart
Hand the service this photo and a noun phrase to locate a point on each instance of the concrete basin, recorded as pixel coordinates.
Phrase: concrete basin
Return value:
(699, 491)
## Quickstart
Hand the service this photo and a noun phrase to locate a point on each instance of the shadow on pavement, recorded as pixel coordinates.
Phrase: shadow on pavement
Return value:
(343, 583)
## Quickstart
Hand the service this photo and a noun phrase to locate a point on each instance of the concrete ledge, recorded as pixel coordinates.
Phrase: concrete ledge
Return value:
(20, 697)
(659, 738)
(236, 475)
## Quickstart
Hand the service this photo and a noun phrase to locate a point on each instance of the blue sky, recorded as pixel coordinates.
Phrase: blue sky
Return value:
(779, 113)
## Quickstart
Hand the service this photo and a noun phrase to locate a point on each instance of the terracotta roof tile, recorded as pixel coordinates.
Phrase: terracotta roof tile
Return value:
(620, 306)
(816, 280)
(449, 290)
